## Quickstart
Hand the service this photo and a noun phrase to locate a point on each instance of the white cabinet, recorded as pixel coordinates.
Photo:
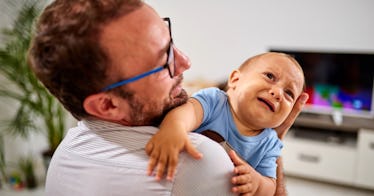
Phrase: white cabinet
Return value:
(347, 159)
(319, 160)
(365, 159)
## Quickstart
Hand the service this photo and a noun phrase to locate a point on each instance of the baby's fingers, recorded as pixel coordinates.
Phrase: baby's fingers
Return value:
(153, 159)
(149, 148)
(192, 150)
(245, 189)
(235, 158)
(172, 165)
(162, 161)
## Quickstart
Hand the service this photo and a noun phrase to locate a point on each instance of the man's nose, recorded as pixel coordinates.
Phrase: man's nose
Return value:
(182, 62)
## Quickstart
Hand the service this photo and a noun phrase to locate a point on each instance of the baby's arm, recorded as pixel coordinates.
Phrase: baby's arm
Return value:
(248, 181)
(164, 147)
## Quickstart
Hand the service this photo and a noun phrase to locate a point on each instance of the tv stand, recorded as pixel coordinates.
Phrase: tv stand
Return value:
(319, 148)
(337, 117)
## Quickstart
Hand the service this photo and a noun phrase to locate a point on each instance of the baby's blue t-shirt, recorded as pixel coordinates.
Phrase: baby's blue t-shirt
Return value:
(260, 151)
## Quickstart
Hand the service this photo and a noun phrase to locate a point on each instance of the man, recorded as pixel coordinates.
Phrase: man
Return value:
(114, 66)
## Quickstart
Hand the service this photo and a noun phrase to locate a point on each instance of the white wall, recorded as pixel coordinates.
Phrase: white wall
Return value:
(218, 35)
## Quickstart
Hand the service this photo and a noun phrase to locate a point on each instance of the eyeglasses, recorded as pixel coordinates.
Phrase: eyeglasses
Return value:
(169, 65)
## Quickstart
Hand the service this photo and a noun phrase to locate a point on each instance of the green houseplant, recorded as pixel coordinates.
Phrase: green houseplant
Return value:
(35, 108)
(26, 165)
(2, 162)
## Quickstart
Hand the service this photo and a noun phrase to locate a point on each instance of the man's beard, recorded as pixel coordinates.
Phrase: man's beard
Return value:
(145, 114)
(177, 101)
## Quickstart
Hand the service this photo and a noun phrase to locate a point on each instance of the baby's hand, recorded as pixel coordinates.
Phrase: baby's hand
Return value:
(163, 149)
(245, 181)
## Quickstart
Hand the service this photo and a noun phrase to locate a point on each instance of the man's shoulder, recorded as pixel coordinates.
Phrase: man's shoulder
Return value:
(212, 151)
(208, 176)
(199, 140)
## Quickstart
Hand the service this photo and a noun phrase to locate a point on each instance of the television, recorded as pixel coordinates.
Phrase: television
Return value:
(337, 82)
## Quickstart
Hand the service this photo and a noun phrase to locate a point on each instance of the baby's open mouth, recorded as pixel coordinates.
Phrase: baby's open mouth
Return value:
(270, 105)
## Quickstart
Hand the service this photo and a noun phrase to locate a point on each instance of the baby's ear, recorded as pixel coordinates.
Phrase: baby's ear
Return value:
(106, 106)
(233, 78)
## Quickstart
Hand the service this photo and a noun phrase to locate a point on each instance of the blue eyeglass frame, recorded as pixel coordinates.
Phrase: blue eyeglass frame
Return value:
(168, 64)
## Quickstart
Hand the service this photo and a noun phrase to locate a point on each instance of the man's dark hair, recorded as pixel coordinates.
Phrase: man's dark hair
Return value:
(65, 53)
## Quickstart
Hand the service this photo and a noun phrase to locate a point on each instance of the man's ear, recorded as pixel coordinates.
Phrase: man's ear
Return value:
(233, 79)
(106, 106)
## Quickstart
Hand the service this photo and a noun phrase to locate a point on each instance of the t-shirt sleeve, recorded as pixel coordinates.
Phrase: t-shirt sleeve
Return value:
(268, 165)
(212, 101)
(207, 98)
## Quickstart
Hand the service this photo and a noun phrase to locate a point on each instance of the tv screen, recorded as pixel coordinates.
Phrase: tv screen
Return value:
(337, 82)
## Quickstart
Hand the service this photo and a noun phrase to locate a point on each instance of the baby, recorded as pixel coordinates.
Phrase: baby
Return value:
(260, 95)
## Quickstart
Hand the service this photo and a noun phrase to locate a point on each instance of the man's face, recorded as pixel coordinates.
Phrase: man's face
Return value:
(266, 91)
(137, 43)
